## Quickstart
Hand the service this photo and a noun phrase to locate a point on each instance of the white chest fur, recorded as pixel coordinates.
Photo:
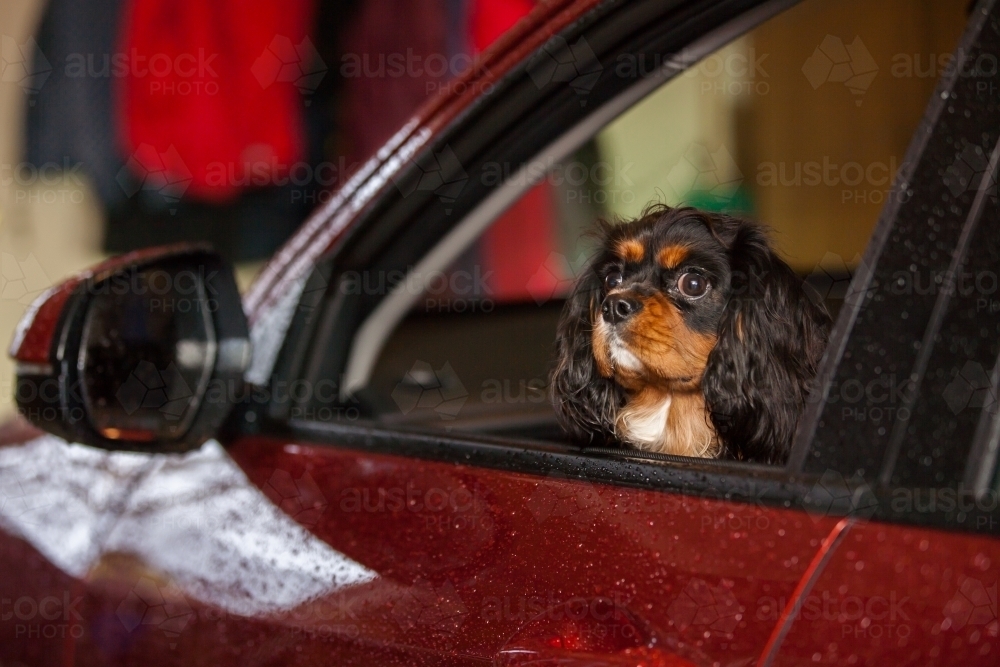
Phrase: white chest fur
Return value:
(645, 425)
(668, 423)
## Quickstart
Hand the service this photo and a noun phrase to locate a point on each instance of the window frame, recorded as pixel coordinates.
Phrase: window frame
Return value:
(918, 188)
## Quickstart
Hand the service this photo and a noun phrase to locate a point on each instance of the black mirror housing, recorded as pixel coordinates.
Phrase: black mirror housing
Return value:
(145, 352)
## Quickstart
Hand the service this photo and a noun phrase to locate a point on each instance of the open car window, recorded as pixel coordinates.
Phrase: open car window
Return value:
(439, 316)
(790, 125)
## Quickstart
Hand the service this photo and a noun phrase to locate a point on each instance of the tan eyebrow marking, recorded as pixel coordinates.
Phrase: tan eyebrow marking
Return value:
(630, 250)
(671, 256)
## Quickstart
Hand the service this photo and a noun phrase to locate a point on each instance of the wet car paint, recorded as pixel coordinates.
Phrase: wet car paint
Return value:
(901, 596)
(446, 563)
(303, 553)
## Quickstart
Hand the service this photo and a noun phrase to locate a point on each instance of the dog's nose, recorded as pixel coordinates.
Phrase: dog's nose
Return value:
(618, 308)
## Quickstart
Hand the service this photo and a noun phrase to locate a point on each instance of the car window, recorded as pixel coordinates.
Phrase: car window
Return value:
(775, 126)
(791, 124)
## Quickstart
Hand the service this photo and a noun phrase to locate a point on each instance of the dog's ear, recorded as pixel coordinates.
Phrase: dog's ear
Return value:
(771, 338)
(586, 403)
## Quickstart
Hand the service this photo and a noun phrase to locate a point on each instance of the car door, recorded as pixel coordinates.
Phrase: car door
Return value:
(510, 553)
(502, 550)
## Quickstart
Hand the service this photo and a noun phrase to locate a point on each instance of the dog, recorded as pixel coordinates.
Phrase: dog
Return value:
(688, 335)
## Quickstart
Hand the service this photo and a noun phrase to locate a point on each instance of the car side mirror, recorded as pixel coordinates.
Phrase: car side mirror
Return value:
(144, 352)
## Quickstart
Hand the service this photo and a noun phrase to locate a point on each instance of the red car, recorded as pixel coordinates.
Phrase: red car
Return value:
(289, 487)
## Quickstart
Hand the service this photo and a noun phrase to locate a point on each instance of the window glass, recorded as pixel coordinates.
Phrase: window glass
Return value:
(802, 124)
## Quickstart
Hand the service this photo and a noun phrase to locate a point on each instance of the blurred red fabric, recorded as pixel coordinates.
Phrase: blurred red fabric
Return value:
(516, 246)
(210, 88)
(379, 96)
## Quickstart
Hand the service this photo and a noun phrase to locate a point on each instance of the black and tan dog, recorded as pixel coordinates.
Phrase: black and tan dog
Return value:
(688, 335)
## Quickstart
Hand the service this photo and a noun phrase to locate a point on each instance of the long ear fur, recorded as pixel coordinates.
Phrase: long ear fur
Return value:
(586, 403)
(771, 338)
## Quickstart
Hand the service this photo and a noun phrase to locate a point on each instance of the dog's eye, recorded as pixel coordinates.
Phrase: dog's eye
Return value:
(613, 279)
(692, 285)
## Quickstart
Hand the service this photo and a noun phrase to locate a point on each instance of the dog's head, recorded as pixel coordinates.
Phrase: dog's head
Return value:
(687, 319)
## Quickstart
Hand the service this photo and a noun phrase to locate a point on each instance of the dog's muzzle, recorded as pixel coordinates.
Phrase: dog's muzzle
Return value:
(618, 308)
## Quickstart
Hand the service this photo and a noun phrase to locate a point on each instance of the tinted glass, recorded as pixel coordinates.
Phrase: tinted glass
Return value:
(148, 346)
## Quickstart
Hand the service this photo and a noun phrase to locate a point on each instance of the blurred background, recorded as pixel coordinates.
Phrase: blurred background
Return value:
(129, 123)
